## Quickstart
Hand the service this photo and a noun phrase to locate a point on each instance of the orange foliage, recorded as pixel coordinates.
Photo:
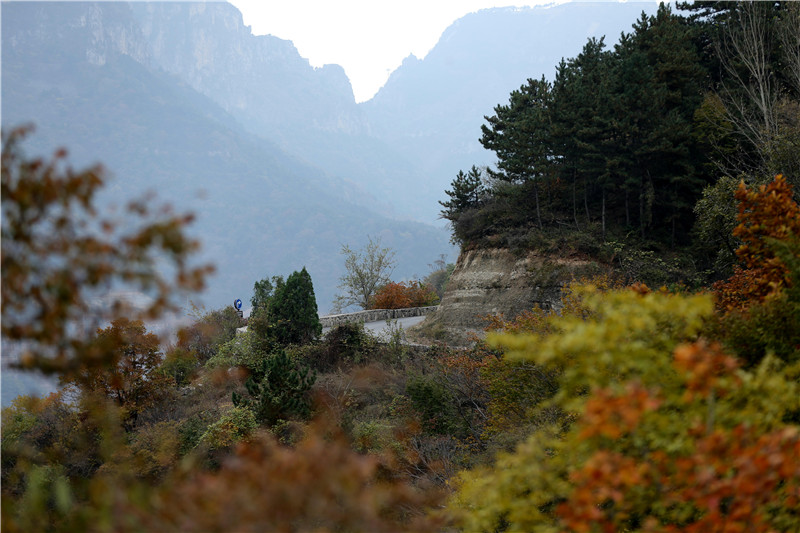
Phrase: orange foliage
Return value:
(729, 480)
(705, 365)
(611, 415)
(764, 214)
(401, 295)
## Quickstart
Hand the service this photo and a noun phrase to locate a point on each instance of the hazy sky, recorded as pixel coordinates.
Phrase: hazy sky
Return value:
(369, 38)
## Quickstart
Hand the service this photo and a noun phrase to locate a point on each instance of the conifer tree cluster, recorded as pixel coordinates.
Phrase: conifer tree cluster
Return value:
(623, 141)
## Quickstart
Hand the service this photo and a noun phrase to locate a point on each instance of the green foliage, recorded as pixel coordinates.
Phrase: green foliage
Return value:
(263, 292)
(231, 428)
(608, 144)
(772, 327)
(342, 347)
(468, 193)
(515, 389)
(190, 432)
(293, 310)
(657, 269)
(285, 312)
(433, 402)
(439, 275)
(716, 219)
(243, 350)
(278, 389)
(180, 366)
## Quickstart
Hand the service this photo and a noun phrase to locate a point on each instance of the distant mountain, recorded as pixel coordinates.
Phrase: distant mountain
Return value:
(398, 151)
(89, 77)
(274, 93)
(433, 107)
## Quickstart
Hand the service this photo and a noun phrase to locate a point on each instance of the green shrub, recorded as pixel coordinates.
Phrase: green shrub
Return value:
(232, 427)
(180, 365)
(343, 346)
(433, 402)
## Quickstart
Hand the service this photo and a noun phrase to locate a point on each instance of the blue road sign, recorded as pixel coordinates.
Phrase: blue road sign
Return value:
(237, 304)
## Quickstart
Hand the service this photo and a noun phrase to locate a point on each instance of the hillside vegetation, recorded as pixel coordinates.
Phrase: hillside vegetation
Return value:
(630, 409)
(640, 146)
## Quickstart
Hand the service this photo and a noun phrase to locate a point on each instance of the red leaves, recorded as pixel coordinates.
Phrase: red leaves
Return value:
(599, 498)
(736, 479)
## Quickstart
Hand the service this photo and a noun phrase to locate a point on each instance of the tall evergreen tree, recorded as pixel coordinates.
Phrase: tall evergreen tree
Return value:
(519, 133)
(467, 193)
(293, 310)
(658, 77)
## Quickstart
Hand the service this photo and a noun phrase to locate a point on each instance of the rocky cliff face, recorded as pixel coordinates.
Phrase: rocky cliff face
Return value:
(261, 80)
(494, 281)
(96, 32)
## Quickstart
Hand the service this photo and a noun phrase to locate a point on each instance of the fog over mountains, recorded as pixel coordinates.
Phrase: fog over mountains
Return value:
(275, 158)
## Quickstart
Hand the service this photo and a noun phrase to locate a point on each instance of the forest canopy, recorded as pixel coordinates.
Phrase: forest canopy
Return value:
(626, 139)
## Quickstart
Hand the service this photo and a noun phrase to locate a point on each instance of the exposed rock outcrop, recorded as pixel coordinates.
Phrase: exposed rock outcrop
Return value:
(494, 281)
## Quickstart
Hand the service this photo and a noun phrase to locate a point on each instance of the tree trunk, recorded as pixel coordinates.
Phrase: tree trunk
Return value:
(627, 209)
(575, 199)
(536, 197)
(603, 216)
(641, 206)
(586, 201)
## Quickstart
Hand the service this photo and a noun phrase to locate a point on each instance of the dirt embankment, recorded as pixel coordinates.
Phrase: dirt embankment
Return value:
(494, 281)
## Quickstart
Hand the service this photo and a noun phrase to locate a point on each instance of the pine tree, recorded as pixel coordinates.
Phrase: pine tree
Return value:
(278, 390)
(467, 192)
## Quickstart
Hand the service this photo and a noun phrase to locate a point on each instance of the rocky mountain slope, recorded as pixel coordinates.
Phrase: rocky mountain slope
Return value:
(88, 77)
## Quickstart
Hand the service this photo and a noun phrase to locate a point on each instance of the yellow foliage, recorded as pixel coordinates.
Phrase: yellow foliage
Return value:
(670, 433)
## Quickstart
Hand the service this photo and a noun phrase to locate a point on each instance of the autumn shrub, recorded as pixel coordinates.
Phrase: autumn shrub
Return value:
(209, 330)
(668, 433)
(152, 453)
(767, 217)
(402, 295)
(131, 376)
(231, 427)
(323, 486)
(760, 303)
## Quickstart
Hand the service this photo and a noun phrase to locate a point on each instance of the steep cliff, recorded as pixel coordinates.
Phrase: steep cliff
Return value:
(494, 281)
(261, 80)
